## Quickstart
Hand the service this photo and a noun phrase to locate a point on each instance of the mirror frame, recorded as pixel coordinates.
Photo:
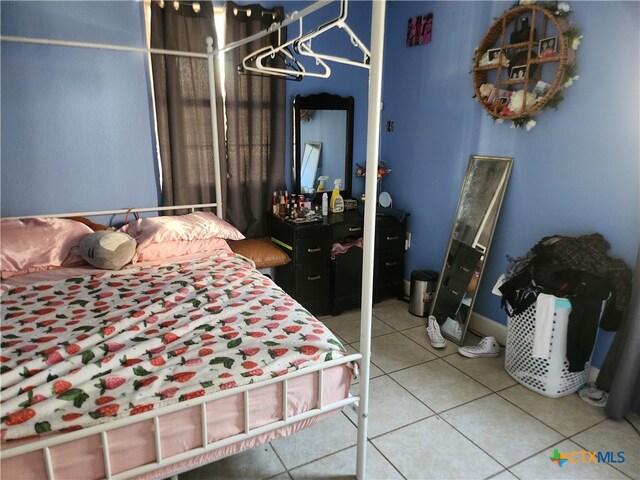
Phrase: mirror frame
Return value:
(498, 197)
(323, 101)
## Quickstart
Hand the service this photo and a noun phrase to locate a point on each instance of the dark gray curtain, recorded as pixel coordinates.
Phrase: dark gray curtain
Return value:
(255, 108)
(181, 89)
(620, 374)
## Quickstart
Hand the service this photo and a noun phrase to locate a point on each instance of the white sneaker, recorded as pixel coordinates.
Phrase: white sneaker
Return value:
(488, 347)
(590, 393)
(433, 332)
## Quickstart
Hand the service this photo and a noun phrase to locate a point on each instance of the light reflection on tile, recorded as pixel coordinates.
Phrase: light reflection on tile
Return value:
(439, 386)
(568, 415)
(431, 448)
(395, 351)
(496, 426)
(390, 407)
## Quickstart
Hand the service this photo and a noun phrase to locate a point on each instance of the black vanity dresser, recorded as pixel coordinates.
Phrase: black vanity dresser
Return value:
(323, 126)
(326, 283)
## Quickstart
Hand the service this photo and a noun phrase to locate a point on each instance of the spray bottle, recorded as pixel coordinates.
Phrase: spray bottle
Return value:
(336, 204)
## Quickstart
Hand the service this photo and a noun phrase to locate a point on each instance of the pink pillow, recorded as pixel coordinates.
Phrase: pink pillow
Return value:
(178, 248)
(35, 244)
(166, 237)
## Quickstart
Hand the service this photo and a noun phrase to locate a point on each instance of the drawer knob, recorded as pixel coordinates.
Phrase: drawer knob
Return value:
(314, 277)
(314, 250)
(392, 238)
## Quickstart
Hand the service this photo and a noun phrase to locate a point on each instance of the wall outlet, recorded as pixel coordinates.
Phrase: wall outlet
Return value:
(407, 241)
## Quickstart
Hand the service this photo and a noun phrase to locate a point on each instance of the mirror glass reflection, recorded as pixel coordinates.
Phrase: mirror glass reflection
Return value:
(480, 200)
(323, 142)
(309, 166)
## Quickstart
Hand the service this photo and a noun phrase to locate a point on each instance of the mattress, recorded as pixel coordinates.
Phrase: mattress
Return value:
(83, 348)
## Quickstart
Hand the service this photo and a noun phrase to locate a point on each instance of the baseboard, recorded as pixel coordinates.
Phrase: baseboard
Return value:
(485, 327)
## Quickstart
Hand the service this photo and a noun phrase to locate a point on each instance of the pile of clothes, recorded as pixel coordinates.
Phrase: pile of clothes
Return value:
(579, 269)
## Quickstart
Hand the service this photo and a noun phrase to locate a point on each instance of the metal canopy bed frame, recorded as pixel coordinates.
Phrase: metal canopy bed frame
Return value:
(373, 62)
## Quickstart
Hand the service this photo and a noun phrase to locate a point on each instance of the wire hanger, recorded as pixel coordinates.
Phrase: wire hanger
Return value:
(302, 45)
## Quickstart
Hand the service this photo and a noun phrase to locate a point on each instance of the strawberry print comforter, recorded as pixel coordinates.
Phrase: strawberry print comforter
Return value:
(83, 350)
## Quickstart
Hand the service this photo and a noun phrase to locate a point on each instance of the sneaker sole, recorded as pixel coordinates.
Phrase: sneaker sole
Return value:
(477, 355)
(438, 345)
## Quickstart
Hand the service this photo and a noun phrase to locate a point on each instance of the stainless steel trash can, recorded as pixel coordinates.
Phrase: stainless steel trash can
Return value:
(423, 286)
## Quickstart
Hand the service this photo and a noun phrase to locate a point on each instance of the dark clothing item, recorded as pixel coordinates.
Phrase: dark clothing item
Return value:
(581, 331)
(588, 253)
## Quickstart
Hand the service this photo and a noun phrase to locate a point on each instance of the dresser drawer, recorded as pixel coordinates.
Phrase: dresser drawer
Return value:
(390, 237)
(389, 266)
(347, 233)
(313, 282)
(313, 251)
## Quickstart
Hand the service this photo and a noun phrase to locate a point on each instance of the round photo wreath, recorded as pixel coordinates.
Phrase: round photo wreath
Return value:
(525, 60)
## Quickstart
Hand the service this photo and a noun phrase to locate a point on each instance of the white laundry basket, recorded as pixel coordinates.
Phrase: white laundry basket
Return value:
(550, 377)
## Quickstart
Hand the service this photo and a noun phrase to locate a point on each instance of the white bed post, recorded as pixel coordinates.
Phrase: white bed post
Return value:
(214, 126)
(373, 147)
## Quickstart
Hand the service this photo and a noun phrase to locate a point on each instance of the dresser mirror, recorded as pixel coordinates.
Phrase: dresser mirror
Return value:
(483, 189)
(322, 143)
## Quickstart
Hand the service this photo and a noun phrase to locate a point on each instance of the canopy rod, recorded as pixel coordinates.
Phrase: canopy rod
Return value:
(214, 128)
(294, 16)
(120, 211)
(378, 13)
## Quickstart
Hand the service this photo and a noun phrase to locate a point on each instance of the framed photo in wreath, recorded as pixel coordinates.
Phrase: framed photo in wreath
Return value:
(493, 54)
(517, 72)
(540, 89)
(548, 46)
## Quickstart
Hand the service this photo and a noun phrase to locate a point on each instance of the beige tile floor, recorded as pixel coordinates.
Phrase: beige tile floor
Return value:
(437, 415)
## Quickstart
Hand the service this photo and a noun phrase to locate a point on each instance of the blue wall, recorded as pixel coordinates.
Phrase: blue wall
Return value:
(576, 172)
(67, 145)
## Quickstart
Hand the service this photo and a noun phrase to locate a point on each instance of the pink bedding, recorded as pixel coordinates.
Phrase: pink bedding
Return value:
(81, 350)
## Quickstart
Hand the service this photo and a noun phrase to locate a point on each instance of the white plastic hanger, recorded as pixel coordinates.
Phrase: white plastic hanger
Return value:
(303, 44)
(256, 61)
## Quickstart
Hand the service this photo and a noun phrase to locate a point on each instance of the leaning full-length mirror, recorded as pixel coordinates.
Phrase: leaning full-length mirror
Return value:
(322, 142)
(483, 189)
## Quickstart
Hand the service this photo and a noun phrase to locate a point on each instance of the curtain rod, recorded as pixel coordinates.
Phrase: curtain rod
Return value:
(294, 16)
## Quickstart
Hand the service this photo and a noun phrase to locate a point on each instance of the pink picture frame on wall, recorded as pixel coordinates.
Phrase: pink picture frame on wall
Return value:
(419, 30)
